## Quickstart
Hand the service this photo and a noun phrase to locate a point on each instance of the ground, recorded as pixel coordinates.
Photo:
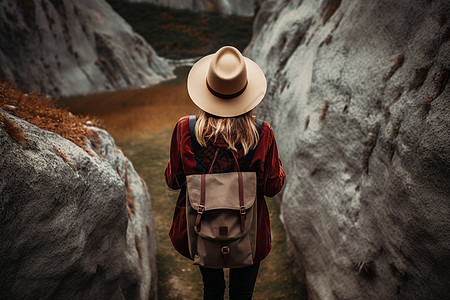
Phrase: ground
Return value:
(141, 122)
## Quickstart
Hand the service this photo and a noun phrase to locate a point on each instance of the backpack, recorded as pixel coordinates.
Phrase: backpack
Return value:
(221, 211)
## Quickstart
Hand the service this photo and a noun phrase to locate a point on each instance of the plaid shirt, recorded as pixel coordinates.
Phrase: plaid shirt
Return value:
(265, 162)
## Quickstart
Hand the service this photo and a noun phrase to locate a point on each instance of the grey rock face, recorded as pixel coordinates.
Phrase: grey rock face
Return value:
(358, 97)
(228, 7)
(67, 48)
(64, 227)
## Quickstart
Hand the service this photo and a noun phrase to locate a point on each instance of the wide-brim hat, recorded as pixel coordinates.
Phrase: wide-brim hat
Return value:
(226, 84)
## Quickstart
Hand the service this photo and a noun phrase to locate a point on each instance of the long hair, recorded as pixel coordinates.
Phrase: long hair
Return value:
(235, 130)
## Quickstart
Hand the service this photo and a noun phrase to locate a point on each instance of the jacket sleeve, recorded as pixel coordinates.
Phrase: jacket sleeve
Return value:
(273, 171)
(174, 173)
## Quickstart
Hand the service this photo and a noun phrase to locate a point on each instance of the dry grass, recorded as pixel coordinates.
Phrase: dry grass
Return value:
(398, 94)
(13, 130)
(41, 111)
(395, 130)
(64, 157)
(397, 64)
(306, 123)
(329, 10)
(324, 110)
(140, 111)
(426, 105)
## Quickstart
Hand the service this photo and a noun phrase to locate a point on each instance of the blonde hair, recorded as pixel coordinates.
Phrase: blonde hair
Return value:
(235, 130)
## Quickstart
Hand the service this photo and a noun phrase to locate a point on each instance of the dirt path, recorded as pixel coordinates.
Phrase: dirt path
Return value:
(141, 122)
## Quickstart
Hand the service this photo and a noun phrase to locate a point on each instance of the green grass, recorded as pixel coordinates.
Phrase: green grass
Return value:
(182, 33)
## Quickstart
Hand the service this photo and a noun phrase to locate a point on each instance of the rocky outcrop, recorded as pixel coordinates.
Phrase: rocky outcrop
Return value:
(358, 97)
(227, 7)
(75, 224)
(67, 48)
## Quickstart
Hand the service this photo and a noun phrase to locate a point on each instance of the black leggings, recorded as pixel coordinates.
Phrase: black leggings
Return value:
(242, 282)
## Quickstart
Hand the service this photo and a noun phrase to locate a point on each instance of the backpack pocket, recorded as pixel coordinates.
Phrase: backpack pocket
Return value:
(225, 236)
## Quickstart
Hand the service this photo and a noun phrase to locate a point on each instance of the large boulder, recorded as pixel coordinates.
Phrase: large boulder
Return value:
(68, 48)
(227, 7)
(358, 98)
(75, 223)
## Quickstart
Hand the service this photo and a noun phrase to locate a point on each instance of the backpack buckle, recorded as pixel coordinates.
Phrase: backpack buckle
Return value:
(225, 250)
(201, 209)
(242, 210)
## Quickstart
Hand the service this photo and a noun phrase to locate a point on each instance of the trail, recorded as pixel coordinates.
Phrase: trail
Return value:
(141, 122)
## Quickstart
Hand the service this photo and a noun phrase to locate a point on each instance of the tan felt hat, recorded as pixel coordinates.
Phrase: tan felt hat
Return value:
(226, 84)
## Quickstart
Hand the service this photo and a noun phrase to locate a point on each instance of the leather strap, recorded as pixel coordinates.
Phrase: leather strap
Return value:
(225, 250)
(201, 206)
(214, 159)
(242, 210)
(238, 168)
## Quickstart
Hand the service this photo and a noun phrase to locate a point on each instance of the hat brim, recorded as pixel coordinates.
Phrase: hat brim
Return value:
(204, 99)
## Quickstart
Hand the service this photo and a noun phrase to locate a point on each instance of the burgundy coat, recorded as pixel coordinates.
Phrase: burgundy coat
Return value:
(265, 162)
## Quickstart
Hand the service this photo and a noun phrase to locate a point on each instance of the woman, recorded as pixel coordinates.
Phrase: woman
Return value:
(226, 87)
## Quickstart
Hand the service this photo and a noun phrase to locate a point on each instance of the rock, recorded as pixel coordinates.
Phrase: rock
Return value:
(227, 7)
(358, 99)
(65, 230)
(68, 48)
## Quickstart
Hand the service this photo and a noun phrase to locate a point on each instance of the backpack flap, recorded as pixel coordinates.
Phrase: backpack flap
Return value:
(222, 210)
(222, 190)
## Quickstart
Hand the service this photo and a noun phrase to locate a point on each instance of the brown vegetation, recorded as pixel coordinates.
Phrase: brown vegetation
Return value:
(426, 105)
(324, 110)
(329, 10)
(398, 94)
(41, 111)
(13, 130)
(306, 123)
(64, 157)
(398, 63)
(326, 41)
(395, 130)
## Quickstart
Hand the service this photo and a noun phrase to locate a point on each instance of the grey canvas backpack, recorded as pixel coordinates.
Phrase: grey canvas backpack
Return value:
(221, 212)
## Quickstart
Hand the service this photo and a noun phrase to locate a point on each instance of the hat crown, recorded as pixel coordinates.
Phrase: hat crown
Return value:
(227, 73)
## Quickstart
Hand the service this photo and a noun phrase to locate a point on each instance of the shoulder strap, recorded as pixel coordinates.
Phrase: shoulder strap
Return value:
(248, 158)
(199, 164)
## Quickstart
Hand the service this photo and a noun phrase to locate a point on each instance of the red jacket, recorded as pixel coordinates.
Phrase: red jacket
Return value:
(265, 163)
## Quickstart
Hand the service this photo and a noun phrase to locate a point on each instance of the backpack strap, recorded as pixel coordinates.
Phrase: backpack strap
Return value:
(248, 158)
(199, 164)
